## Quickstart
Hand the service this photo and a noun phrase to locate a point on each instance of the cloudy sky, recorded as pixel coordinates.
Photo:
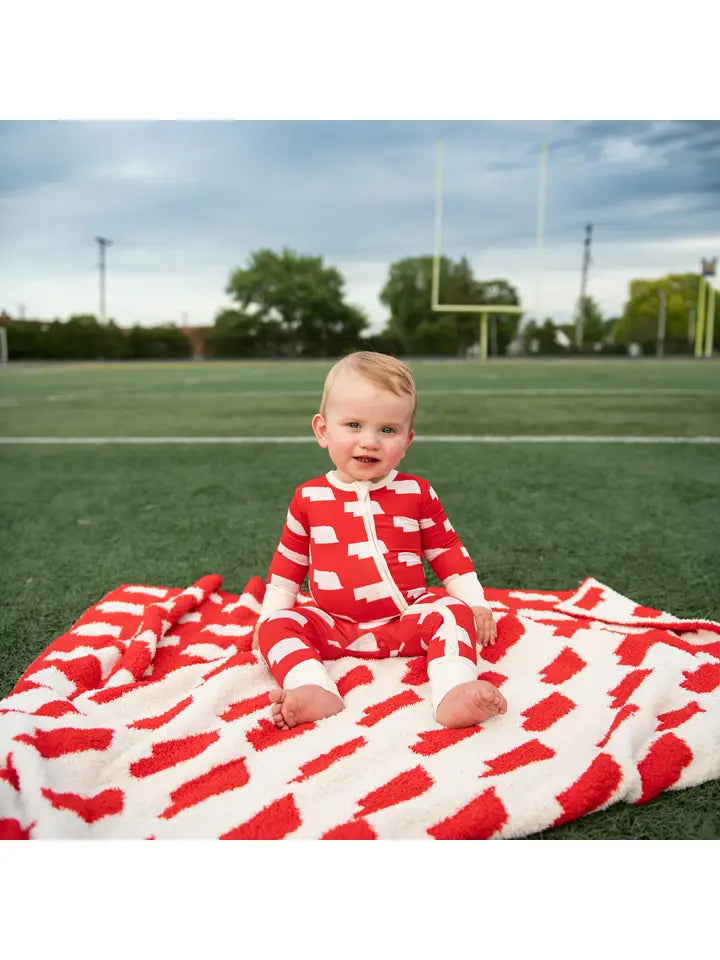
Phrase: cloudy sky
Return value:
(186, 202)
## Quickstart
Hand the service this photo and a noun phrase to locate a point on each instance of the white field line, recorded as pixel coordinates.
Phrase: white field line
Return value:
(514, 438)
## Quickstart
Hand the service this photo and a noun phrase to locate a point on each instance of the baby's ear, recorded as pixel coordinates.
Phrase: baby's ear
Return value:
(320, 429)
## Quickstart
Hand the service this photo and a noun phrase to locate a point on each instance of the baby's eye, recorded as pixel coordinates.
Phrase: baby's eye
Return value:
(388, 430)
(353, 424)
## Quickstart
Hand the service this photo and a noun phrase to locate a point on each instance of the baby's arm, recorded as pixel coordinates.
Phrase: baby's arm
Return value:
(451, 561)
(289, 565)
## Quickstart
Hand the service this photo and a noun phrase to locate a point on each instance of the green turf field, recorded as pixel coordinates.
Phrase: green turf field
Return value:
(79, 519)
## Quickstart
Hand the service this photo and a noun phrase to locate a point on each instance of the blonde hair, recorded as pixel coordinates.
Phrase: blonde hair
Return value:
(389, 372)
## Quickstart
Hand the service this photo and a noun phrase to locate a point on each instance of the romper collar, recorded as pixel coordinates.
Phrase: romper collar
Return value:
(358, 485)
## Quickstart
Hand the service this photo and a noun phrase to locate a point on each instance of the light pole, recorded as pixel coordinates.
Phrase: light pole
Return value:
(660, 349)
(102, 242)
(580, 315)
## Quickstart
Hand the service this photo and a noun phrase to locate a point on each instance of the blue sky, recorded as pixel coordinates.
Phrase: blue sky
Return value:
(186, 202)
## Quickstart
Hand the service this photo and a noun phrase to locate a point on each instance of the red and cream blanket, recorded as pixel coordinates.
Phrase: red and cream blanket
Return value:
(150, 718)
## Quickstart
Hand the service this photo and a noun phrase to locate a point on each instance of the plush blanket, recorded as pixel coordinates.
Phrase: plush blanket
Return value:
(150, 718)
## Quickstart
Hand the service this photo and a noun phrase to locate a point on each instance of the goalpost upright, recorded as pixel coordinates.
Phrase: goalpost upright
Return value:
(483, 309)
(710, 320)
(705, 316)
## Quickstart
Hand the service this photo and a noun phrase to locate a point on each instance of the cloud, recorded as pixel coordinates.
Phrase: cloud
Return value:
(186, 203)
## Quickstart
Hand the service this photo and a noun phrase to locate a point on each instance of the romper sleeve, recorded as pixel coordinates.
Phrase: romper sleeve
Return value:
(289, 565)
(446, 553)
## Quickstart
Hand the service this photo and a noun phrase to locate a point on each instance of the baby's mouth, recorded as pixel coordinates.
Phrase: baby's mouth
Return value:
(366, 459)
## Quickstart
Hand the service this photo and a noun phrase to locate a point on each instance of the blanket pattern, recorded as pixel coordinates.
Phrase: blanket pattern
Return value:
(150, 718)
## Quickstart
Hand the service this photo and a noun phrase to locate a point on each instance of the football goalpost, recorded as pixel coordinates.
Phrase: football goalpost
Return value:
(484, 309)
(705, 317)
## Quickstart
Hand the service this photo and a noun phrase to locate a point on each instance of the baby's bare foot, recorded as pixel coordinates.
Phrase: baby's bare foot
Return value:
(470, 703)
(303, 705)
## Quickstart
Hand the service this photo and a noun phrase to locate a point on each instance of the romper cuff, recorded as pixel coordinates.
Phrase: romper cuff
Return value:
(310, 671)
(447, 672)
(466, 587)
(275, 599)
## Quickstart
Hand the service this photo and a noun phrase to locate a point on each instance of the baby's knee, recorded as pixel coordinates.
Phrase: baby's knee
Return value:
(269, 631)
(465, 617)
(454, 610)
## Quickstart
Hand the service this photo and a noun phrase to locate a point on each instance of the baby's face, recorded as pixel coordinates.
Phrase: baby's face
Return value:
(366, 429)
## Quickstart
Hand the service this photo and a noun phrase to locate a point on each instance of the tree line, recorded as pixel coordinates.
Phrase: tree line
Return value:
(289, 305)
(83, 337)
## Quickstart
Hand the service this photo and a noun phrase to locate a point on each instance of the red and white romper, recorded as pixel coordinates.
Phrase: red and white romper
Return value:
(362, 545)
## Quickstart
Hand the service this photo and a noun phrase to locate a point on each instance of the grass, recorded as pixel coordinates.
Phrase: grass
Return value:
(676, 398)
(79, 520)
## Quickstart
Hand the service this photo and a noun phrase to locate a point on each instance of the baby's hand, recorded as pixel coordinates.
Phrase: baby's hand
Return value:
(486, 632)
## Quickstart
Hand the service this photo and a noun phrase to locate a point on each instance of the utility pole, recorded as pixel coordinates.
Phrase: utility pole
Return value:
(660, 349)
(580, 314)
(102, 242)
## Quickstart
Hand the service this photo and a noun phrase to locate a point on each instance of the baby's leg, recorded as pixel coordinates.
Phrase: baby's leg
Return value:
(447, 630)
(307, 692)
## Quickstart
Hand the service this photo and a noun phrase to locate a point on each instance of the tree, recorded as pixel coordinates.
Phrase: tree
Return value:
(238, 334)
(408, 295)
(639, 320)
(83, 337)
(167, 342)
(506, 324)
(541, 338)
(297, 299)
(385, 342)
(463, 288)
(436, 337)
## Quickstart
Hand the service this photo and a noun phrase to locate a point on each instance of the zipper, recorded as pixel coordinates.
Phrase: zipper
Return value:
(380, 561)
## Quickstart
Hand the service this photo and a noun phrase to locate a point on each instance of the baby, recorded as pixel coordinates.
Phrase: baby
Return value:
(362, 531)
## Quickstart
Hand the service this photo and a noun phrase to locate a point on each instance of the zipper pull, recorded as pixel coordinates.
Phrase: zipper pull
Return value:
(363, 490)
